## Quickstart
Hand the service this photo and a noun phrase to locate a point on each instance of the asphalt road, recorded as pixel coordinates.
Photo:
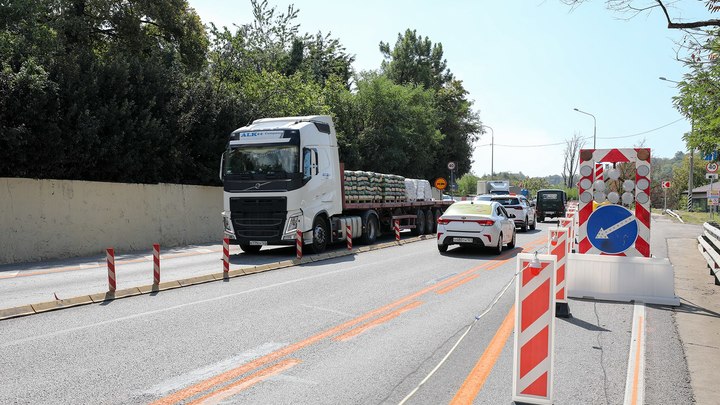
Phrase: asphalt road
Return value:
(358, 329)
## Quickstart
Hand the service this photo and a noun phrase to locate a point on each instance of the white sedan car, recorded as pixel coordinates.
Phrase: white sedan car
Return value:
(476, 223)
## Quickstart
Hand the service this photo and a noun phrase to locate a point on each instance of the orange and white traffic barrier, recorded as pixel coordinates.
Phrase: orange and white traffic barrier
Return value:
(226, 256)
(397, 230)
(299, 244)
(558, 247)
(348, 233)
(568, 223)
(110, 255)
(534, 329)
(156, 263)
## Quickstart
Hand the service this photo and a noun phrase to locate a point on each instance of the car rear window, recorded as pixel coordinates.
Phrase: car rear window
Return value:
(469, 209)
(507, 201)
(549, 196)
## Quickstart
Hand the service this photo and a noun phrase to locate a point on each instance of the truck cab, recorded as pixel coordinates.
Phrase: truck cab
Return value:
(281, 175)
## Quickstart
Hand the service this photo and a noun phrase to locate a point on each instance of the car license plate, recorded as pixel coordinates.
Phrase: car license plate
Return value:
(258, 243)
(463, 240)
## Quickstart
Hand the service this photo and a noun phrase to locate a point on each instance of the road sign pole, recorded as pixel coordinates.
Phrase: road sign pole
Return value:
(665, 199)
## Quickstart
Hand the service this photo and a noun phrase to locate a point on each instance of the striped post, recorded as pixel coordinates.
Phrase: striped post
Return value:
(534, 330)
(397, 230)
(226, 257)
(599, 171)
(559, 248)
(299, 244)
(156, 263)
(111, 269)
(348, 233)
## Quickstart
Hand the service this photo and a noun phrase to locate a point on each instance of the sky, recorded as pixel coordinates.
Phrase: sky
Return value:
(526, 65)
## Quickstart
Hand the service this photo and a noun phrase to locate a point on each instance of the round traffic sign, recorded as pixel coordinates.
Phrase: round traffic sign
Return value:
(612, 229)
(666, 184)
(711, 167)
(451, 165)
(440, 183)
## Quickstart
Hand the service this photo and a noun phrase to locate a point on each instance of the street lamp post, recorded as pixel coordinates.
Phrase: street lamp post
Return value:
(692, 152)
(492, 149)
(594, 124)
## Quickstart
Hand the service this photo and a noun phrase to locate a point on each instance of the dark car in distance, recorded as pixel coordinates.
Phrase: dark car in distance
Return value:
(550, 204)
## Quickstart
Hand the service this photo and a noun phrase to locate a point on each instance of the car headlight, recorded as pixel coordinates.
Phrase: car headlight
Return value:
(292, 224)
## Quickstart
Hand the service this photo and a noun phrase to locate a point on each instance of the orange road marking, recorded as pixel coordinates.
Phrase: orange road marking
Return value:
(457, 284)
(385, 318)
(636, 372)
(206, 385)
(479, 374)
(238, 386)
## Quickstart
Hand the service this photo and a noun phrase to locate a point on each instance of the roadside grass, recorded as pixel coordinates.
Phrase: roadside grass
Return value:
(690, 217)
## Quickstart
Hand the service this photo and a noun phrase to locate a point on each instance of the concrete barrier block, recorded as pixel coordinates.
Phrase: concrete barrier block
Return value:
(236, 273)
(283, 264)
(147, 289)
(199, 279)
(169, 285)
(102, 297)
(16, 311)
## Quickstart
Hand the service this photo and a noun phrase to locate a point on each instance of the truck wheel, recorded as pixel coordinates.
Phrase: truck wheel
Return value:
(429, 222)
(320, 235)
(419, 223)
(371, 231)
(250, 249)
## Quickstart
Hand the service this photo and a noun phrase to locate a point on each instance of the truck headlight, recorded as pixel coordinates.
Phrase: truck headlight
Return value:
(227, 224)
(292, 224)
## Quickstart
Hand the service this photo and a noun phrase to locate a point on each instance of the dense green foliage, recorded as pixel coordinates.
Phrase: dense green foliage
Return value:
(142, 91)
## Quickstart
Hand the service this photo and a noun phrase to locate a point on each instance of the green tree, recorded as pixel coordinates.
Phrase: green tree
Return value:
(467, 184)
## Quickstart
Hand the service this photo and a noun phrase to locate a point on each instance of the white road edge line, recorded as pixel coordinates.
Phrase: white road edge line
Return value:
(637, 355)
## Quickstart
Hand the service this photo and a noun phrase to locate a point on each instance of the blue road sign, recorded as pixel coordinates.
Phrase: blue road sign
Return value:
(612, 229)
(712, 156)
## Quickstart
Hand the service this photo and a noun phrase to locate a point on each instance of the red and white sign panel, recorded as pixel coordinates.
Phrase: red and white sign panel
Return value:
(666, 184)
(558, 247)
(534, 330)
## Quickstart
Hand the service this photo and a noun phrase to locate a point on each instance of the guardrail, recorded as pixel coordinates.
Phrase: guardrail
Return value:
(709, 246)
(677, 216)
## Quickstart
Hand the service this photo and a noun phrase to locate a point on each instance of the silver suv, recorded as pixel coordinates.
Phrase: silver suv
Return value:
(518, 205)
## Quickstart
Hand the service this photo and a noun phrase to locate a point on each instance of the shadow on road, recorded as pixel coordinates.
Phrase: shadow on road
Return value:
(688, 307)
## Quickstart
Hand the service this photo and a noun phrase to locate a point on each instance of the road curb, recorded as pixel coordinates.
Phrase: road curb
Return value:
(41, 307)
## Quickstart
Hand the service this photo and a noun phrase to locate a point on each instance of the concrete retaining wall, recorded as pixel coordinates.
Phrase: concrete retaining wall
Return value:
(44, 219)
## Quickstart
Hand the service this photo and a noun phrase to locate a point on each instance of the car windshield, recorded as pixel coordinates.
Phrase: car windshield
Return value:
(272, 160)
(469, 209)
(507, 201)
(483, 198)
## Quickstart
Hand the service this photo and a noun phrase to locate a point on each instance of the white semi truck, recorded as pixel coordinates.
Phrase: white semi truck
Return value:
(284, 174)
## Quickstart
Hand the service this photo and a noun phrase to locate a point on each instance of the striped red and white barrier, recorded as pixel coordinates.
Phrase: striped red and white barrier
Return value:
(226, 256)
(397, 230)
(558, 247)
(110, 255)
(534, 329)
(568, 223)
(348, 233)
(638, 192)
(299, 244)
(156, 263)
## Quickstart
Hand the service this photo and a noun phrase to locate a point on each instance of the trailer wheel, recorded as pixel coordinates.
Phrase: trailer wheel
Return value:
(430, 224)
(419, 223)
(370, 233)
(320, 235)
(250, 249)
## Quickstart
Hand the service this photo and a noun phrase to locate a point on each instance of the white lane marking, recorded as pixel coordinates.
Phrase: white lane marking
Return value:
(204, 373)
(327, 310)
(187, 304)
(204, 250)
(636, 358)
(9, 274)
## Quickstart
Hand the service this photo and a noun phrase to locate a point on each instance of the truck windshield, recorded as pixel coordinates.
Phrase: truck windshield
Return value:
(262, 161)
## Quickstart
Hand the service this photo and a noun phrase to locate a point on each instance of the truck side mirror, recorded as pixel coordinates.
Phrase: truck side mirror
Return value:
(222, 166)
(307, 164)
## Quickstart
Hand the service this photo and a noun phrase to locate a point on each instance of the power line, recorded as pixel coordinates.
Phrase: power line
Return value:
(586, 137)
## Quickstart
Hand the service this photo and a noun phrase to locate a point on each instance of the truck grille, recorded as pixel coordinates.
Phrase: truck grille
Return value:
(258, 217)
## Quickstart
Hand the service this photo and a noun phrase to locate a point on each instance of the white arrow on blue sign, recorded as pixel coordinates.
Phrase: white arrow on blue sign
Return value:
(612, 229)
(712, 156)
